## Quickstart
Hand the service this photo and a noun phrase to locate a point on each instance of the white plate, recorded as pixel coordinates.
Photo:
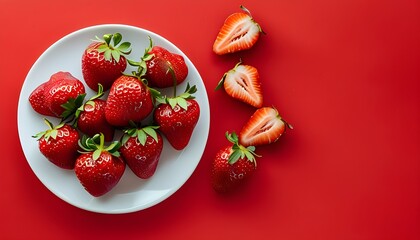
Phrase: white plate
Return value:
(131, 193)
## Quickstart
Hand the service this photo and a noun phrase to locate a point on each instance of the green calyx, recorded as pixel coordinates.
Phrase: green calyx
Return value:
(141, 65)
(51, 132)
(90, 102)
(141, 134)
(112, 47)
(180, 100)
(239, 151)
(96, 145)
(71, 106)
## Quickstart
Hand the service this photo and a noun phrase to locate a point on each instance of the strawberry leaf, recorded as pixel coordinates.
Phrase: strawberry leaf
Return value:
(108, 38)
(108, 54)
(234, 157)
(117, 38)
(141, 136)
(96, 154)
(150, 130)
(71, 106)
(239, 151)
(125, 47)
(113, 148)
(102, 48)
(172, 102)
(116, 55)
(182, 103)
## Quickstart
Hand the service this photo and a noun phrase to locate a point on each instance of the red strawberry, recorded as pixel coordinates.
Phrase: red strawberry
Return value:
(243, 83)
(90, 117)
(103, 62)
(59, 144)
(155, 65)
(99, 168)
(36, 99)
(177, 117)
(239, 32)
(233, 165)
(264, 127)
(129, 100)
(141, 149)
(59, 96)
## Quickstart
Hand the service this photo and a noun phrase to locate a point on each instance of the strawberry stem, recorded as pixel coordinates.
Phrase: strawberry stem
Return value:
(50, 132)
(249, 13)
(92, 145)
(116, 50)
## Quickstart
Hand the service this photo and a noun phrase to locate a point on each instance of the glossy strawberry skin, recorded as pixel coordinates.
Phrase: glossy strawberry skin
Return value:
(264, 127)
(92, 120)
(100, 176)
(142, 159)
(226, 177)
(61, 151)
(177, 124)
(58, 93)
(157, 73)
(96, 69)
(37, 101)
(47, 98)
(239, 32)
(129, 100)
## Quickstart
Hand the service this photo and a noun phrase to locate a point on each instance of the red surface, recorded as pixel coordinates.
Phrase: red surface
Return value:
(345, 73)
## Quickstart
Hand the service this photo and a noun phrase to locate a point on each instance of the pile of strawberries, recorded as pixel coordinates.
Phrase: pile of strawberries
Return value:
(235, 163)
(84, 138)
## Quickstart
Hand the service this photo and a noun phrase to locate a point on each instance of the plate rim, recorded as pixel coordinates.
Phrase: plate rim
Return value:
(128, 28)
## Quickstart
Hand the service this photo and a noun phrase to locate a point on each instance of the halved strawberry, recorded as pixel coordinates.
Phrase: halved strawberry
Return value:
(264, 127)
(243, 83)
(239, 32)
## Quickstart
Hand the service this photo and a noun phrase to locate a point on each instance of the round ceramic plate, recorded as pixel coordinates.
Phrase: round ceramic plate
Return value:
(131, 193)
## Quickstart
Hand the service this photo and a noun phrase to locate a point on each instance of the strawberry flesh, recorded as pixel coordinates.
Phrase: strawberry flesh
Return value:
(239, 32)
(265, 126)
(243, 83)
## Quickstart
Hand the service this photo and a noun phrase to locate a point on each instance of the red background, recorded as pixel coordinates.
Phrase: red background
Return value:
(344, 73)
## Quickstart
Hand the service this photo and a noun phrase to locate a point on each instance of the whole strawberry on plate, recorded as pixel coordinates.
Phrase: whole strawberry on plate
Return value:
(155, 65)
(59, 97)
(233, 165)
(129, 100)
(90, 117)
(99, 168)
(243, 83)
(141, 149)
(177, 117)
(265, 126)
(239, 32)
(104, 60)
(59, 144)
